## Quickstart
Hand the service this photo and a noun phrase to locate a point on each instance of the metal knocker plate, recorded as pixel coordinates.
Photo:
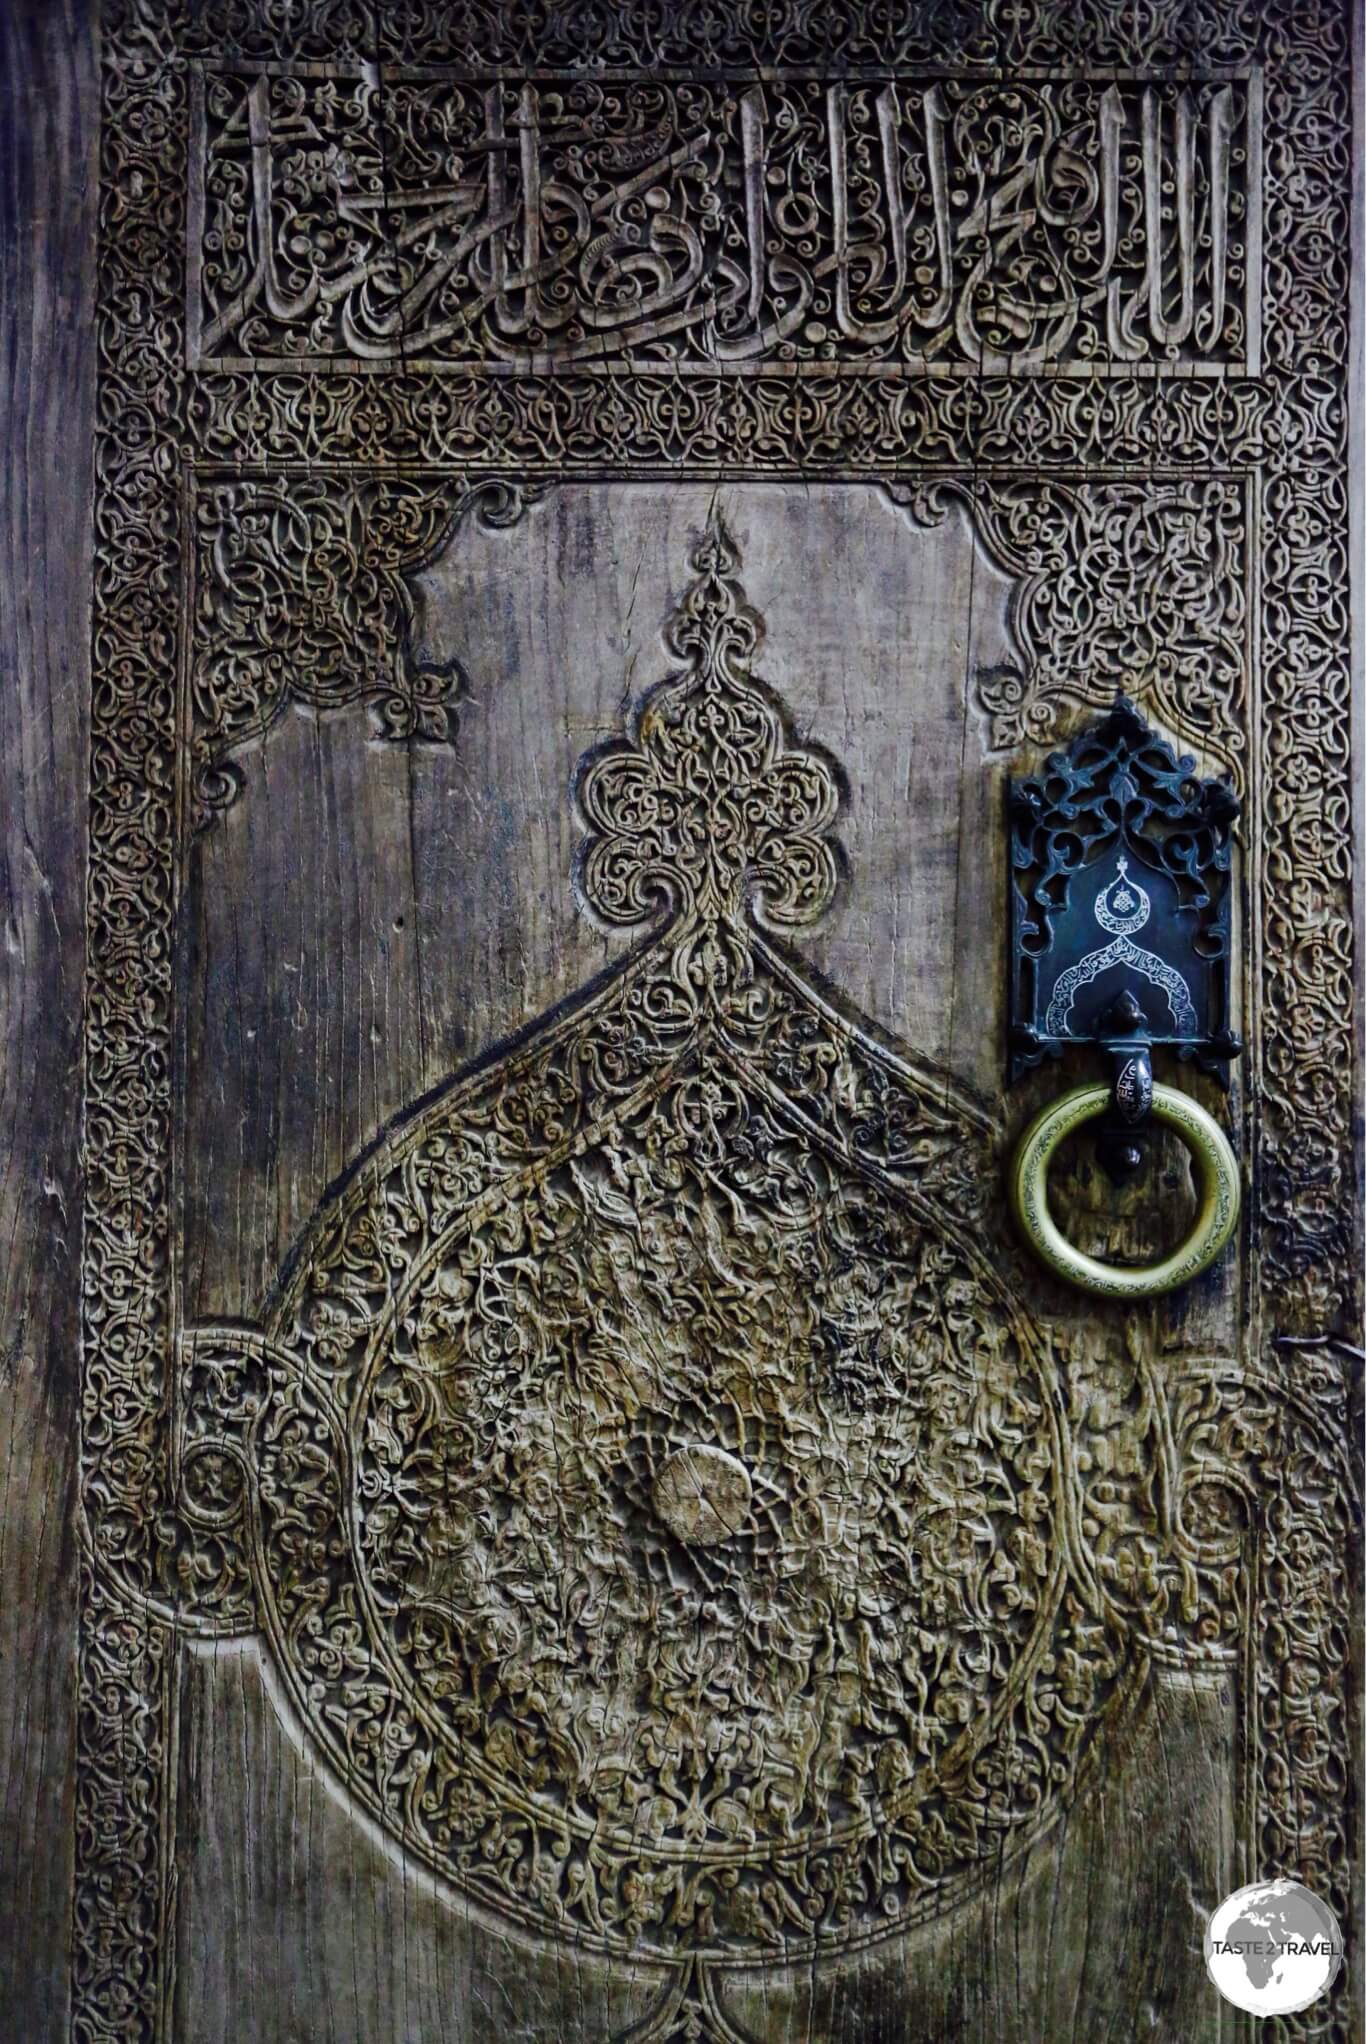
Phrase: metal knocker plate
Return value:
(1220, 1193)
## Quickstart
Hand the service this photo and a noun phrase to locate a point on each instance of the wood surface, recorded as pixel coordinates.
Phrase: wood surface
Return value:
(297, 1925)
(333, 986)
(317, 901)
(343, 964)
(48, 125)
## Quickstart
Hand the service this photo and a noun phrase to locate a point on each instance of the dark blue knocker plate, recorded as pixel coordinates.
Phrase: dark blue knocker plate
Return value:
(1121, 906)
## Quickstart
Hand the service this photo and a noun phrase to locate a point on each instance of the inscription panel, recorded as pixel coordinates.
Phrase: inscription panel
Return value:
(789, 225)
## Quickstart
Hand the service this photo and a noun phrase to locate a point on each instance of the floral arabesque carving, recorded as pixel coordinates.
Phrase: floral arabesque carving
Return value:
(1311, 1211)
(876, 424)
(689, 2010)
(695, 35)
(302, 597)
(120, 1730)
(708, 806)
(1128, 586)
(1224, 1506)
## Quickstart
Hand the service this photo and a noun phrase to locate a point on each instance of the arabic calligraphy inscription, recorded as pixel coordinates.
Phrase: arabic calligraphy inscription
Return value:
(519, 226)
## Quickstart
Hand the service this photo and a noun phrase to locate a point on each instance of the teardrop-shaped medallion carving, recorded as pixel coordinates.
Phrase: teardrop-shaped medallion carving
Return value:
(651, 1492)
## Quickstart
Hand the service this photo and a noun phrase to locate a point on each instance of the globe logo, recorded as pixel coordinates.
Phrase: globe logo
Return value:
(1273, 1948)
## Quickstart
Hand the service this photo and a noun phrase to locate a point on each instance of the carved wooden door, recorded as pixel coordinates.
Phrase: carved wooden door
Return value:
(592, 1523)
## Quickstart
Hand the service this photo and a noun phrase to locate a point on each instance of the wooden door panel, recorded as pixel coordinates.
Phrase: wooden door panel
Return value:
(555, 667)
(593, 1524)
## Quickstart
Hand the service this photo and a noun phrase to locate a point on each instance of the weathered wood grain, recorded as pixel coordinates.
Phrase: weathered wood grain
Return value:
(48, 121)
(299, 1926)
(433, 912)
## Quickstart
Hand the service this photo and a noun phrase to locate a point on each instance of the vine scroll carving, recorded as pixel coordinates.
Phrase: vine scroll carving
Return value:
(304, 598)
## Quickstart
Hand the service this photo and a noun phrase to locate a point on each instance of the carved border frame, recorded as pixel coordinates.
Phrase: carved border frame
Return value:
(1283, 434)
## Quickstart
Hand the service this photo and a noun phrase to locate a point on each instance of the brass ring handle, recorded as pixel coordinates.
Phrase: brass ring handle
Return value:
(1220, 1193)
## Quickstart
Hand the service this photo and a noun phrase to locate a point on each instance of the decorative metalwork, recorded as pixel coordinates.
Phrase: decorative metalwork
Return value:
(1118, 839)
(1220, 1191)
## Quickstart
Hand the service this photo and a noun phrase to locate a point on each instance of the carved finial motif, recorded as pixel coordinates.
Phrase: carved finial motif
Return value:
(709, 807)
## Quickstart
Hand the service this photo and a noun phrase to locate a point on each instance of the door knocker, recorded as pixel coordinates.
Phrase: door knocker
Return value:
(1120, 937)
